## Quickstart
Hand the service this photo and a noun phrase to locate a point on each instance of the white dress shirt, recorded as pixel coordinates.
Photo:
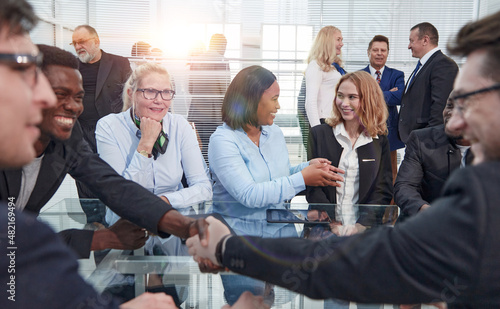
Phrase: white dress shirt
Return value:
(425, 58)
(373, 71)
(348, 192)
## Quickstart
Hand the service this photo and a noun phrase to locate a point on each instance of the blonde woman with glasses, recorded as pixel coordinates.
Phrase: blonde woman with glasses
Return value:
(153, 147)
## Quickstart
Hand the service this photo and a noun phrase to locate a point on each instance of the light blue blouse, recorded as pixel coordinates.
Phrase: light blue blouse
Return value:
(250, 179)
(117, 140)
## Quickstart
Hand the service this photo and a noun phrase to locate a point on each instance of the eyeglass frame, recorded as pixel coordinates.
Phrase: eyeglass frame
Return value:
(464, 96)
(29, 59)
(171, 92)
(81, 42)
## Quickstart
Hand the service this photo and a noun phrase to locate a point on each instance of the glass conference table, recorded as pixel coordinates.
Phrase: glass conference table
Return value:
(195, 289)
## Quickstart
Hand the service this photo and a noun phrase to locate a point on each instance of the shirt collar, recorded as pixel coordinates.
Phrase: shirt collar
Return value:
(426, 57)
(264, 129)
(340, 131)
(373, 70)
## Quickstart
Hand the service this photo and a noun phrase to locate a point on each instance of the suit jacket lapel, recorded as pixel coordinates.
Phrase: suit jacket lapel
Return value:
(12, 186)
(102, 75)
(43, 190)
(337, 149)
(386, 77)
(454, 158)
(423, 69)
(369, 161)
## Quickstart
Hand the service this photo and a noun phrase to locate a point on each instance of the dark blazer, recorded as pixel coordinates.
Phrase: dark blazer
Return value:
(44, 267)
(375, 172)
(446, 253)
(128, 199)
(113, 72)
(430, 157)
(390, 79)
(423, 103)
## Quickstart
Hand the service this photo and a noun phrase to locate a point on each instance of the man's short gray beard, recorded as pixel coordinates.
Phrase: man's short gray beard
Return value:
(86, 58)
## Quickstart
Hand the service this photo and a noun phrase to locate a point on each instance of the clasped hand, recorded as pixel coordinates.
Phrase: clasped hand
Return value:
(320, 172)
(203, 251)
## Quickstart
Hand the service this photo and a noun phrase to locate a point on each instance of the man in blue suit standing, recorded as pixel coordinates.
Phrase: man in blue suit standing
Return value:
(392, 82)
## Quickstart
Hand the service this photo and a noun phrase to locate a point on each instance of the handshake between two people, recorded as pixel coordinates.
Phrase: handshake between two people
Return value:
(206, 248)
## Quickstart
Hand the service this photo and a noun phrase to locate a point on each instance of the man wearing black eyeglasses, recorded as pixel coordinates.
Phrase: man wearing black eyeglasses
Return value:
(103, 77)
(23, 90)
(448, 253)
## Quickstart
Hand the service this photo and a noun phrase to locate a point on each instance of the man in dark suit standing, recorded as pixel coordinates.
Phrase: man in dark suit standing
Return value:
(392, 83)
(103, 78)
(447, 253)
(431, 155)
(429, 85)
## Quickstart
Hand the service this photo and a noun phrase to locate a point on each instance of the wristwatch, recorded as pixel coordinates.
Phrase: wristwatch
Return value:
(145, 153)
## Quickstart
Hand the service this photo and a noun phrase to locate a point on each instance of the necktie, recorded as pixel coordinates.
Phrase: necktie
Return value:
(378, 76)
(414, 72)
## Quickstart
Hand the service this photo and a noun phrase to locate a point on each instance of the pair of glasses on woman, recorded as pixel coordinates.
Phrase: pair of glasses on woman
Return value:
(28, 65)
(151, 94)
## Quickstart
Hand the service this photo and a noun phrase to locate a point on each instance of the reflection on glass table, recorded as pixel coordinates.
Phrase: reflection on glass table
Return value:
(195, 289)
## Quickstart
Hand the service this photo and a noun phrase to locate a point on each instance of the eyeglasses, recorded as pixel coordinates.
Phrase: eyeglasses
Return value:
(151, 94)
(462, 101)
(81, 42)
(28, 65)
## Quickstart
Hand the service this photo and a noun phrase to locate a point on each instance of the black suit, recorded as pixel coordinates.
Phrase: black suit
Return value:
(430, 157)
(113, 73)
(74, 157)
(446, 253)
(46, 271)
(375, 173)
(424, 100)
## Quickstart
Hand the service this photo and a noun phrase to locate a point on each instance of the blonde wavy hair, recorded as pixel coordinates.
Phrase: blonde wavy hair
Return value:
(323, 49)
(136, 78)
(372, 111)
